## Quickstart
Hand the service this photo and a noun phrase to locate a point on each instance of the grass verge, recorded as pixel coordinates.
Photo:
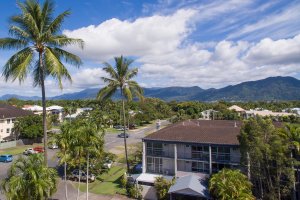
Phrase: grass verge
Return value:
(107, 183)
(18, 149)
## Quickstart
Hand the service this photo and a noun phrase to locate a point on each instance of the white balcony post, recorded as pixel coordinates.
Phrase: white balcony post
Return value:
(144, 158)
(210, 160)
(175, 159)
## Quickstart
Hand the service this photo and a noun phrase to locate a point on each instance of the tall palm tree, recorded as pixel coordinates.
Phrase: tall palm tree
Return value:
(28, 178)
(230, 184)
(91, 140)
(64, 142)
(120, 78)
(35, 33)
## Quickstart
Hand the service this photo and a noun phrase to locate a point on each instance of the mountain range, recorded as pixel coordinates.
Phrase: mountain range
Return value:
(272, 88)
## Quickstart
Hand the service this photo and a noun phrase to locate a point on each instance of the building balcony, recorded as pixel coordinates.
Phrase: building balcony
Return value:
(164, 154)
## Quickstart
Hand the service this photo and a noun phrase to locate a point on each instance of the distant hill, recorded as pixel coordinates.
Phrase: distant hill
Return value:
(10, 96)
(272, 88)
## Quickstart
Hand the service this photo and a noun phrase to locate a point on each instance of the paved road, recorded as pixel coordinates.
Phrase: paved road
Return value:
(112, 140)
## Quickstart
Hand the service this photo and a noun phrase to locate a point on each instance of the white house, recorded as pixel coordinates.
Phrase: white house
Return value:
(8, 115)
(208, 114)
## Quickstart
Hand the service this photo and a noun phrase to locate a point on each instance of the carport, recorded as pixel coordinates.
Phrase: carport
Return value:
(189, 187)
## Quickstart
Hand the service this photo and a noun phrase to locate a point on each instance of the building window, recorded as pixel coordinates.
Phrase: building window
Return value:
(154, 149)
(220, 153)
(1, 130)
(8, 121)
(1, 121)
(7, 130)
(13, 120)
(200, 167)
(154, 165)
(200, 152)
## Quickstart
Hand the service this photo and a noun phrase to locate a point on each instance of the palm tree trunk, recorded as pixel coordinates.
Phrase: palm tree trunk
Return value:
(66, 185)
(44, 108)
(87, 176)
(78, 188)
(125, 143)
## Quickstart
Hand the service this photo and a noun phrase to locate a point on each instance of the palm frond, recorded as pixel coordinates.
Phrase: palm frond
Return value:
(12, 43)
(131, 73)
(67, 56)
(62, 40)
(18, 65)
(110, 71)
(56, 24)
(107, 92)
(19, 33)
(127, 93)
(54, 66)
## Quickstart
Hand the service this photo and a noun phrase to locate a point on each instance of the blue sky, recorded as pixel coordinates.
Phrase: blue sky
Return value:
(174, 42)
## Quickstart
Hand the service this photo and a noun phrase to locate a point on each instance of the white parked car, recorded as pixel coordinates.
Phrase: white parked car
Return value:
(108, 164)
(29, 151)
(53, 146)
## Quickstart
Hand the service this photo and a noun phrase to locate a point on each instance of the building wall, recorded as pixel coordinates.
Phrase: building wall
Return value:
(184, 151)
(235, 155)
(6, 126)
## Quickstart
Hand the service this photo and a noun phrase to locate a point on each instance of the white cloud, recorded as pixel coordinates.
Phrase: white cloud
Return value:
(268, 51)
(149, 35)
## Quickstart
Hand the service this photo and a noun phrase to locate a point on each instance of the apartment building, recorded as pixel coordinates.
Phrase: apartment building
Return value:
(191, 151)
(8, 115)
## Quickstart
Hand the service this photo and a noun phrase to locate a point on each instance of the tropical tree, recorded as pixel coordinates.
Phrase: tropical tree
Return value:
(120, 78)
(64, 142)
(230, 184)
(162, 187)
(28, 178)
(36, 34)
(92, 141)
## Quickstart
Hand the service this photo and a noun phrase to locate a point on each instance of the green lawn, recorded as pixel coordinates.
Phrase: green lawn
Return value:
(107, 183)
(112, 130)
(18, 149)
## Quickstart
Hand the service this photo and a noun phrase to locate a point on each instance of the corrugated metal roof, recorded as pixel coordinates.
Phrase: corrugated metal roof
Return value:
(191, 185)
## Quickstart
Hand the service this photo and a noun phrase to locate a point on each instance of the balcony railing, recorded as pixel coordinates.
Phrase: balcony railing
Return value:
(159, 153)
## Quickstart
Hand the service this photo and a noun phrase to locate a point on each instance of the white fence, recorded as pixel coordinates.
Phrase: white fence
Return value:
(10, 144)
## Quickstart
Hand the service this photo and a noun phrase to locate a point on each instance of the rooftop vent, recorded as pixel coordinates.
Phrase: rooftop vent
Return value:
(235, 125)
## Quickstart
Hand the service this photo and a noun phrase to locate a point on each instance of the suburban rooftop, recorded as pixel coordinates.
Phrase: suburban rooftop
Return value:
(223, 132)
(8, 111)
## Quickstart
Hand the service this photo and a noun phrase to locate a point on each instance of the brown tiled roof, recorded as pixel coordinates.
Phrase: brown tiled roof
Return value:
(200, 131)
(7, 111)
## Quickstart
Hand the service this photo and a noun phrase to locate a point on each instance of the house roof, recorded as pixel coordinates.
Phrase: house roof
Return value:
(200, 131)
(268, 113)
(8, 111)
(55, 108)
(236, 108)
(33, 108)
(191, 185)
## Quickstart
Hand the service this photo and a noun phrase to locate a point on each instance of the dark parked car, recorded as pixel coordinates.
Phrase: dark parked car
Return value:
(121, 135)
(132, 126)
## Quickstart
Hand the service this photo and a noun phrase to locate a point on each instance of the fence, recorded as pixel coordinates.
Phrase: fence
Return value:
(10, 144)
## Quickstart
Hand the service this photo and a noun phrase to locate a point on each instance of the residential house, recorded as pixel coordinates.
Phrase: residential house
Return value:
(265, 113)
(53, 110)
(208, 114)
(190, 151)
(78, 112)
(56, 110)
(8, 115)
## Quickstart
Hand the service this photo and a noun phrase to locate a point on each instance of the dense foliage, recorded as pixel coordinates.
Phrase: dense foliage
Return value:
(162, 187)
(29, 126)
(28, 178)
(230, 184)
(267, 157)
